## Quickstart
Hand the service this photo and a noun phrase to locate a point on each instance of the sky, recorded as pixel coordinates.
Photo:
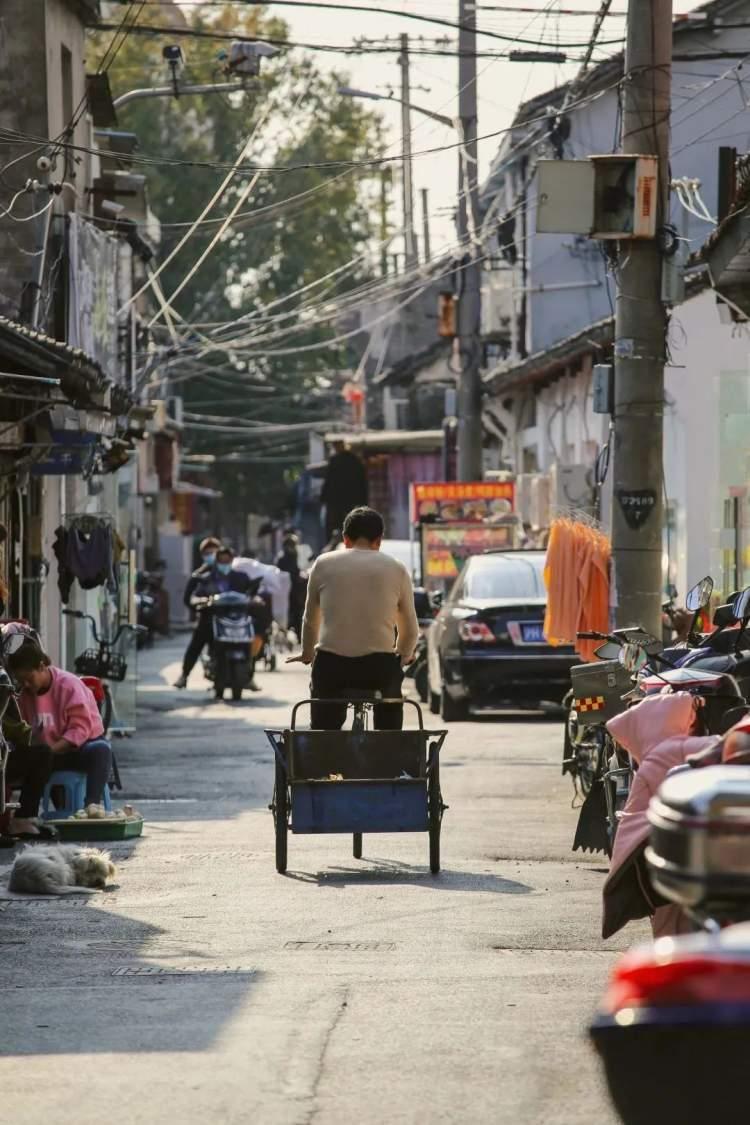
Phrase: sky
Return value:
(502, 85)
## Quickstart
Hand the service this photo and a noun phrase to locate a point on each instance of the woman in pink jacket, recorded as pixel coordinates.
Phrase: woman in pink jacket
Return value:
(63, 715)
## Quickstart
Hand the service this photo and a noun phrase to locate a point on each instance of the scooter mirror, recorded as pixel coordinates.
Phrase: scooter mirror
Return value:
(742, 605)
(700, 595)
(633, 657)
(610, 650)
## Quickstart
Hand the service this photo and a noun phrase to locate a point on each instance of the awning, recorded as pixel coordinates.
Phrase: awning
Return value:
(727, 255)
(82, 381)
(409, 367)
(390, 441)
(187, 488)
(545, 365)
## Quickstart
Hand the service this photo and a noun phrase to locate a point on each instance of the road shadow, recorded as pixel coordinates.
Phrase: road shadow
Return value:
(392, 872)
(78, 980)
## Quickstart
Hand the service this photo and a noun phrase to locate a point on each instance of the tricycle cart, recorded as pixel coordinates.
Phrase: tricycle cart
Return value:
(357, 781)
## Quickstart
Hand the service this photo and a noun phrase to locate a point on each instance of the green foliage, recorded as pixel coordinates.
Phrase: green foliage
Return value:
(296, 117)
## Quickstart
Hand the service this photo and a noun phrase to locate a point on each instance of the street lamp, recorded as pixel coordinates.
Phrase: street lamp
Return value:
(410, 241)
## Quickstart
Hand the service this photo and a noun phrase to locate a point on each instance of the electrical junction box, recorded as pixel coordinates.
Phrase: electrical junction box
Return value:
(565, 197)
(625, 196)
(607, 197)
(603, 388)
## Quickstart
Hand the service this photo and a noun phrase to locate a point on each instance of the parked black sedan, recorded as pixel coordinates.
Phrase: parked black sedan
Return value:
(486, 647)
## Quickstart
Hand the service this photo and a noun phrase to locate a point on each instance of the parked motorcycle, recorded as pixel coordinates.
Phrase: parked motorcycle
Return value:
(683, 1006)
(229, 662)
(630, 659)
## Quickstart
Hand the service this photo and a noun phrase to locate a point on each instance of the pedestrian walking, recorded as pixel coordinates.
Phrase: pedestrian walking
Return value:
(344, 487)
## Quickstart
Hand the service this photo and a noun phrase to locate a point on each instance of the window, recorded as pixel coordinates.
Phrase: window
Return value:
(505, 576)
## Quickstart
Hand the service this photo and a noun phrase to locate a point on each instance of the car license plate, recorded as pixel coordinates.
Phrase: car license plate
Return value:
(533, 633)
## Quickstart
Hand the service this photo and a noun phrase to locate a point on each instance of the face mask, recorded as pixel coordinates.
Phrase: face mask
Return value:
(210, 558)
(224, 568)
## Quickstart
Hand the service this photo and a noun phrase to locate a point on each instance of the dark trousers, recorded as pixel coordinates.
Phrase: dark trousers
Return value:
(29, 768)
(203, 635)
(336, 677)
(94, 759)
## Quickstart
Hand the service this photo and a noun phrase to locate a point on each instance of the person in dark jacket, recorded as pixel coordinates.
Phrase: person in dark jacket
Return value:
(219, 578)
(202, 630)
(288, 561)
(344, 488)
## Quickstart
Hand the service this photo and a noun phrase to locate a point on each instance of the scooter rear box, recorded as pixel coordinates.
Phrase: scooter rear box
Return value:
(598, 689)
(699, 851)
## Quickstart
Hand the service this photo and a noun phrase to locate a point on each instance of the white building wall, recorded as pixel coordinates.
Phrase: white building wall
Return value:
(707, 423)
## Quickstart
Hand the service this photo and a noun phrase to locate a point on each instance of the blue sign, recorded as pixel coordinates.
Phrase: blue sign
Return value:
(71, 453)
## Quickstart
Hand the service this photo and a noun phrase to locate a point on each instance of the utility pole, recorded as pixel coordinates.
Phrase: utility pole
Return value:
(426, 249)
(410, 238)
(640, 331)
(469, 302)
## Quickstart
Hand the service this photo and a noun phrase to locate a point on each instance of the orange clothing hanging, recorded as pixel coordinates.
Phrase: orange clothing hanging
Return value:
(576, 575)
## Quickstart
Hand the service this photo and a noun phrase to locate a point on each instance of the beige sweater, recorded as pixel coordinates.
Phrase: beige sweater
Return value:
(356, 602)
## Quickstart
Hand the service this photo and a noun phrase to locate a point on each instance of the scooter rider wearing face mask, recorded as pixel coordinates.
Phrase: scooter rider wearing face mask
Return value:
(201, 634)
(216, 578)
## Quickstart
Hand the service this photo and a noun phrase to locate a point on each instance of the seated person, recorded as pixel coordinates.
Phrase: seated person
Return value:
(28, 768)
(63, 716)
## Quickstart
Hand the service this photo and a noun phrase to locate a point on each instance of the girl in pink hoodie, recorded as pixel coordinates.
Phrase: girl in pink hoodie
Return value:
(63, 715)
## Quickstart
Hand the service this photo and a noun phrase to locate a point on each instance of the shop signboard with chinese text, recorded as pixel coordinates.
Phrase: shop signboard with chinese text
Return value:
(447, 546)
(465, 501)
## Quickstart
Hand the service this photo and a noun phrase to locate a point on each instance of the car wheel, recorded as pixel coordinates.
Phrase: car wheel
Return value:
(451, 710)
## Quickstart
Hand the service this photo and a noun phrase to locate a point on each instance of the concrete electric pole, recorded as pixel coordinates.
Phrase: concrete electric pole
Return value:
(410, 238)
(468, 287)
(640, 331)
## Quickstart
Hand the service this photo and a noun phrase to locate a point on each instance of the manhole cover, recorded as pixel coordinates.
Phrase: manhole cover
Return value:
(342, 946)
(182, 971)
(201, 856)
(49, 900)
(155, 948)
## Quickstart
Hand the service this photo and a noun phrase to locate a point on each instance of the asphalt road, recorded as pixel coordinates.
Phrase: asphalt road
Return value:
(207, 988)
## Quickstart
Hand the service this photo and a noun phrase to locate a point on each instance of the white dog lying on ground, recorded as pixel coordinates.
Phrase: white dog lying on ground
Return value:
(63, 869)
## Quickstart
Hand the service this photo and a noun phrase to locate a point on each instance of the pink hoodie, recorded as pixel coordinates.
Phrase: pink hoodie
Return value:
(656, 734)
(68, 710)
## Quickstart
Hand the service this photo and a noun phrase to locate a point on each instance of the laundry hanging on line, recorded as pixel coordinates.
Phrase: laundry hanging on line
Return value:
(89, 553)
(576, 574)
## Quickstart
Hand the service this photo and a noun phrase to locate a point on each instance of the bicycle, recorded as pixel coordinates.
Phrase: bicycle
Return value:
(102, 664)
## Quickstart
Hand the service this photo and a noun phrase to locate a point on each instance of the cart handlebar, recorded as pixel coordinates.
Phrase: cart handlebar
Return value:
(375, 700)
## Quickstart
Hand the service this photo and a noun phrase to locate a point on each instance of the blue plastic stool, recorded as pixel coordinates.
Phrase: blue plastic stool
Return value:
(74, 784)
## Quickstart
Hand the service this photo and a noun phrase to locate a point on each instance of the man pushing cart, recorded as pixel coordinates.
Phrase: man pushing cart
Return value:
(359, 632)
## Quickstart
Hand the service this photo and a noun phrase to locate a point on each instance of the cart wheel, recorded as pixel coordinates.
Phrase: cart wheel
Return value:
(357, 845)
(436, 817)
(280, 817)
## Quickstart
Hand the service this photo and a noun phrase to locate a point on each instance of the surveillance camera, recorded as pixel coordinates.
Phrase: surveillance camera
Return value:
(172, 54)
(44, 164)
(244, 57)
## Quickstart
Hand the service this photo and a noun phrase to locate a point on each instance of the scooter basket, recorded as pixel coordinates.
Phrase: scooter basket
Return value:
(699, 853)
(105, 665)
(598, 689)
